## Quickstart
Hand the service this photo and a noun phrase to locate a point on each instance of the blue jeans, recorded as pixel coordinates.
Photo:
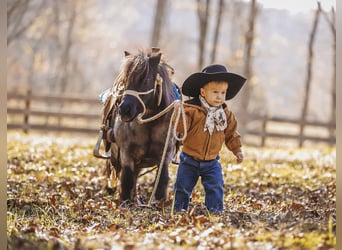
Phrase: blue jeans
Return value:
(188, 173)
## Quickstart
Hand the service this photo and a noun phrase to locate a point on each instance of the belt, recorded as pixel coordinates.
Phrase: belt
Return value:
(197, 159)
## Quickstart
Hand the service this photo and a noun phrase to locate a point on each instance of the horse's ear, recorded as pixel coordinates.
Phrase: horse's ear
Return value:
(155, 59)
(127, 53)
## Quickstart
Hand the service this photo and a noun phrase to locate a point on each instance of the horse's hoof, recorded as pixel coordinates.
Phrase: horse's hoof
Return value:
(110, 191)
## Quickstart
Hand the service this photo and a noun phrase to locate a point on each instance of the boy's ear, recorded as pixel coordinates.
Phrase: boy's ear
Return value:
(202, 91)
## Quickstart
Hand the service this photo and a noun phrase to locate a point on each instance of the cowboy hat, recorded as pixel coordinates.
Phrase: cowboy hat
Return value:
(216, 72)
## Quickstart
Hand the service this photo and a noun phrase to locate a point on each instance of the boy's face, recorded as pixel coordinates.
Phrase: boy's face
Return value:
(214, 93)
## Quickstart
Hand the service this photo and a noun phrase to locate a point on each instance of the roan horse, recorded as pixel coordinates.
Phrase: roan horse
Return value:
(145, 90)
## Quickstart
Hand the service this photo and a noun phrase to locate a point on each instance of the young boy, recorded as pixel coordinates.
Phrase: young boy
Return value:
(209, 125)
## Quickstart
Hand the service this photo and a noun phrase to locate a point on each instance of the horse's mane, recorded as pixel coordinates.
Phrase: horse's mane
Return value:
(137, 68)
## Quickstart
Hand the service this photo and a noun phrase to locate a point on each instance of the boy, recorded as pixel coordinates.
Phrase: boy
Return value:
(209, 125)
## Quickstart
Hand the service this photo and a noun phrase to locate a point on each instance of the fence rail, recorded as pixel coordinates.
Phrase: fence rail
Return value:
(289, 129)
(46, 112)
(77, 114)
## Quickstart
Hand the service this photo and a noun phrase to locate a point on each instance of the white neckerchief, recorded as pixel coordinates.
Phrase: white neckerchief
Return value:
(216, 117)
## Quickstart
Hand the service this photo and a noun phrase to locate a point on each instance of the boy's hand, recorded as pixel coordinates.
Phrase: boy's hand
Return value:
(239, 157)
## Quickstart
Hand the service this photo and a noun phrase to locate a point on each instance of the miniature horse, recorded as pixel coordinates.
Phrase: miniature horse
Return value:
(146, 91)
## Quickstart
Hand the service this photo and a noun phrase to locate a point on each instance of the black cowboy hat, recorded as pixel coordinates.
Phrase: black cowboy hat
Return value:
(216, 72)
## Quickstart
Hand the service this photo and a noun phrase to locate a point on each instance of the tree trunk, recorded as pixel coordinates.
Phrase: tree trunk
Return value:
(20, 18)
(203, 17)
(248, 62)
(234, 43)
(332, 25)
(158, 22)
(65, 61)
(217, 30)
(309, 73)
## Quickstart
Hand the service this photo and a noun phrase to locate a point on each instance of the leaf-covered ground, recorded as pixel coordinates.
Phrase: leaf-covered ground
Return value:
(277, 199)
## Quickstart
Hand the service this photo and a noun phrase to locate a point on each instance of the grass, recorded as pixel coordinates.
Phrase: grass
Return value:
(279, 198)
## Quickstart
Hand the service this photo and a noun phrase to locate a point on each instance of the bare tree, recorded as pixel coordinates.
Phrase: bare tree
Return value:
(159, 20)
(332, 25)
(67, 20)
(65, 59)
(309, 70)
(203, 17)
(220, 9)
(55, 29)
(20, 16)
(248, 60)
(27, 32)
(237, 8)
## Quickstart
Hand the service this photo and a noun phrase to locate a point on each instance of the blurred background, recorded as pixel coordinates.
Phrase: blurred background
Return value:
(75, 48)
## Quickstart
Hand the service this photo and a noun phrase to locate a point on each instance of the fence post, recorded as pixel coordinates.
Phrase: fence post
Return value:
(263, 130)
(332, 133)
(27, 110)
(301, 133)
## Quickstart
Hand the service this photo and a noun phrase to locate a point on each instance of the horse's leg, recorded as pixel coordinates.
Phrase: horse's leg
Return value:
(161, 192)
(113, 169)
(109, 187)
(128, 183)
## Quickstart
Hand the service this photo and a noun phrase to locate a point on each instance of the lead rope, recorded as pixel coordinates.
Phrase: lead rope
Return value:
(179, 110)
(139, 118)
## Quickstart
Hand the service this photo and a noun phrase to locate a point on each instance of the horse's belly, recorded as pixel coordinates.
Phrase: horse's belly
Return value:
(143, 144)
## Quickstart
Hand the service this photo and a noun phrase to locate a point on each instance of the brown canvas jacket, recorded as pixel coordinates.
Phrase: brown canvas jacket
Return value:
(199, 143)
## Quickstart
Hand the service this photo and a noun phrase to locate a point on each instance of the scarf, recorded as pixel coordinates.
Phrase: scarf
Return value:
(216, 117)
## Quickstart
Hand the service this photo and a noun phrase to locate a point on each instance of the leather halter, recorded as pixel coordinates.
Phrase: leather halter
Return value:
(137, 94)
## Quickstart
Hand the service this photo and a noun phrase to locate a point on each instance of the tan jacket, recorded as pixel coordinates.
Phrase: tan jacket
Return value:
(199, 143)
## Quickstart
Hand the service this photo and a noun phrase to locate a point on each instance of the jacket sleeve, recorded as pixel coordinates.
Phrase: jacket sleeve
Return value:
(232, 136)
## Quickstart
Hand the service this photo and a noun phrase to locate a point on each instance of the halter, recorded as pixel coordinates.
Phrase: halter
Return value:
(137, 94)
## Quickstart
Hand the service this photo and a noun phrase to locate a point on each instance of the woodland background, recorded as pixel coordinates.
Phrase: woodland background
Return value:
(279, 198)
(77, 47)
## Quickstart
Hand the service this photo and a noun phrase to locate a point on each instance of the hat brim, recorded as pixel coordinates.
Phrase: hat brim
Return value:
(193, 84)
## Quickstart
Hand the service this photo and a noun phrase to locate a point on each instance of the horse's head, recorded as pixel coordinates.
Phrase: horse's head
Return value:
(143, 76)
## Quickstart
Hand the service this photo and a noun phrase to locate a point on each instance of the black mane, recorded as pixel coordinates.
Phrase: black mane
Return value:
(138, 71)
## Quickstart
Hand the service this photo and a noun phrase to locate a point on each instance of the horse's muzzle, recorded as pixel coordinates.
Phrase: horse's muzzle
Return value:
(129, 108)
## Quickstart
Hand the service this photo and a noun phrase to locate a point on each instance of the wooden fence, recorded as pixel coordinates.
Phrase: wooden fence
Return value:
(280, 129)
(54, 113)
(76, 114)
